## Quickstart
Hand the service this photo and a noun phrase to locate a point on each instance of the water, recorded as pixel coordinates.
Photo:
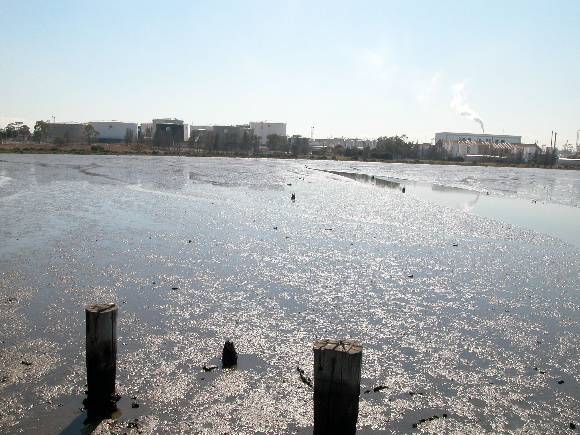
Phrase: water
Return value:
(483, 331)
(545, 216)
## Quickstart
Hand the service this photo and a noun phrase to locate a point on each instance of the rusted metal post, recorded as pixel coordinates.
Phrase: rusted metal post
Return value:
(101, 348)
(337, 367)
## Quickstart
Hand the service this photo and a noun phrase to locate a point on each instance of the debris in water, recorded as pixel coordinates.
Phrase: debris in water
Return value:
(209, 368)
(134, 405)
(28, 363)
(305, 379)
(560, 382)
(377, 389)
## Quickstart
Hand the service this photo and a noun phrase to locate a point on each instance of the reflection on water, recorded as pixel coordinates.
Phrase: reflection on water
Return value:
(458, 314)
(548, 218)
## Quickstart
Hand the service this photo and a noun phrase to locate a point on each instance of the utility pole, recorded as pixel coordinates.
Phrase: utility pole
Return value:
(555, 136)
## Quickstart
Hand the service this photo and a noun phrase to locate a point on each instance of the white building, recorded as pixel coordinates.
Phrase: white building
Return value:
(476, 137)
(264, 129)
(478, 146)
(115, 131)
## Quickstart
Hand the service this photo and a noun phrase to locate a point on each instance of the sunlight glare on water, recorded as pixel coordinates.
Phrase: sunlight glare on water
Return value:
(458, 313)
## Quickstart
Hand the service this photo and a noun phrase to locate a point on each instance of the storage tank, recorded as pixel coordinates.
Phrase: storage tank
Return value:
(115, 131)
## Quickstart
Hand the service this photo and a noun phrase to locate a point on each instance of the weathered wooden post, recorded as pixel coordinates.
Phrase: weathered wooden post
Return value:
(229, 355)
(101, 348)
(337, 366)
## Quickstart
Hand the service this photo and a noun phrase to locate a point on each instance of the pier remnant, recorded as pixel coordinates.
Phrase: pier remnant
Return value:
(101, 353)
(229, 355)
(337, 368)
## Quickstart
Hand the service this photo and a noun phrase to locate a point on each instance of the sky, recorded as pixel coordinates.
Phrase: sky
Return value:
(347, 68)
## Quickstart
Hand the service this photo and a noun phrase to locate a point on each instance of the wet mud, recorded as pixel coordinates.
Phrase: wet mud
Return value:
(476, 341)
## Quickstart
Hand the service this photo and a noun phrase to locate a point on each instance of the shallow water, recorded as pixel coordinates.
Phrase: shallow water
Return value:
(483, 331)
(551, 218)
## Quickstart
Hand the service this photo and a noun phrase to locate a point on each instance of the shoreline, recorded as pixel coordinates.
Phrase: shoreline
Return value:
(125, 150)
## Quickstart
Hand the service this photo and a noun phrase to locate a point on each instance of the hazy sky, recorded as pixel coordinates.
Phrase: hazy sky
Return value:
(356, 68)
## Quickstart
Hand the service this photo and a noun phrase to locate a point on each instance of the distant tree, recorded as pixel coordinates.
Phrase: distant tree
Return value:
(299, 145)
(128, 136)
(553, 157)
(246, 145)
(366, 152)
(339, 150)
(90, 133)
(23, 132)
(11, 129)
(436, 152)
(40, 130)
(394, 148)
(277, 142)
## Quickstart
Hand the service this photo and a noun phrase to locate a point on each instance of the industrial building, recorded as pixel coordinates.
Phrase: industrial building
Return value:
(67, 131)
(476, 137)
(228, 135)
(263, 129)
(169, 132)
(479, 146)
(115, 131)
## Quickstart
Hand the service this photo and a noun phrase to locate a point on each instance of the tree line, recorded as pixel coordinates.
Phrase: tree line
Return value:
(247, 143)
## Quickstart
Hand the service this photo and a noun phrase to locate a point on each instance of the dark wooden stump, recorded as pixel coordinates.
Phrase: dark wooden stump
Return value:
(101, 347)
(229, 354)
(337, 367)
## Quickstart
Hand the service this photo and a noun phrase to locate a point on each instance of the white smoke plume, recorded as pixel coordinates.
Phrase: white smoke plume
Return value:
(460, 105)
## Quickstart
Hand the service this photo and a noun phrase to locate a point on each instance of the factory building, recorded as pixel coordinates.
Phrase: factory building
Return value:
(115, 131)
(480, 146)
(476, 137)
(67, 131)
(264, 129)
(231, 135)
(168, 132)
